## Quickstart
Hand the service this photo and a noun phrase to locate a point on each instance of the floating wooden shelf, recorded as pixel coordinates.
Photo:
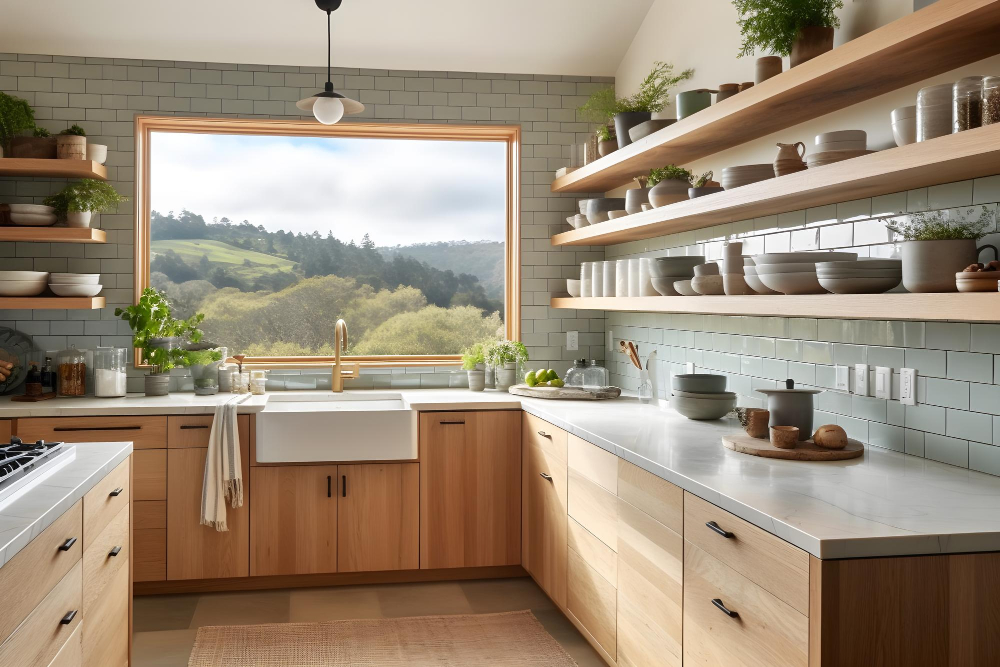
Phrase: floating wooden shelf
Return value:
(53, 302)
(53, 234)
(954, 157)
(955, 307)
(936, 39)
(16, 166)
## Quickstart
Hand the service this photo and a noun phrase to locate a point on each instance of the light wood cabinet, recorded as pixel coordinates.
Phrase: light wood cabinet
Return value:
(592, 601)
(293, 520)
(378, 517)
(39, 638)
(544, 506)
(142, 432)
(5, 430)
(106, 624)
(470, 489)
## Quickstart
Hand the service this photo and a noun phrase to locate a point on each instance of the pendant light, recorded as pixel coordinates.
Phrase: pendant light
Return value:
(328, 106)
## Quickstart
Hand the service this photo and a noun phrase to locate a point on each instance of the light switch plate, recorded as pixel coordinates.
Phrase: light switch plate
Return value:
(907, 386)
(611, 340)
(689, 367)
(843, 378)
(861, 379)
(883, 382)
(572, 340)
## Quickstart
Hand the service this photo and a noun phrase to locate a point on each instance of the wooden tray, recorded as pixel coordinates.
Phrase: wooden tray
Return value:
(805, 451)
(33, 399)
(566, 393)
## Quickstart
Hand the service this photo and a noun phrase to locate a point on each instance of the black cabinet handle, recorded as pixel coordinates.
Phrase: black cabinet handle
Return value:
(716, 528)
(544, 435)
(546, 476)
(68, 618)
(68, 544)
(117, 492)
(191, 427)
(114, 552)
(343, 479)
(451, 423)
(71, 429)
(721, 607)
(329, 486)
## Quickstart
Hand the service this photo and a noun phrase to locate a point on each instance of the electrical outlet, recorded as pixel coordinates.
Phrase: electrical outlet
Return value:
(572, 340)
(883, 382)
(861, 379)
(907, 386)
(843, 378)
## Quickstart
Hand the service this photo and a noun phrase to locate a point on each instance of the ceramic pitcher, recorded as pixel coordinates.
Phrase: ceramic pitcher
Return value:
(794, 151)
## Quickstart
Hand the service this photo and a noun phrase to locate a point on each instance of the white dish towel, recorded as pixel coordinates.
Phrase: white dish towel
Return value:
(223, 466)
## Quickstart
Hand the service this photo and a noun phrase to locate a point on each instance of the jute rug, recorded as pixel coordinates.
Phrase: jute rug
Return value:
(513, 639)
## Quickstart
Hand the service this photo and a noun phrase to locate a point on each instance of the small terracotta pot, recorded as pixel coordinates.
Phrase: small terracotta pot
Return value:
(811, 42)
(766, 68)
(607, 147)
(785, 437)
(757, 422)
(71, 147)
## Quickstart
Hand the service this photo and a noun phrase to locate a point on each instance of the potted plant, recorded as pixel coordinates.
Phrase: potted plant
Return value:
(71, 144)
(801, 30)
(936, 248)
(474, 362)
(39, 146)
(504, 356)
(704, 185)
(627, 112)
(204, 365)
(16, 116)
(157, 334)
(78, 201)
(668, 185)
(607, 142)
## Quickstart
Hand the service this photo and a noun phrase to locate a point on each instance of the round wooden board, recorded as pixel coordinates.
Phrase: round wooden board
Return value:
(804, 451)
(566, 393)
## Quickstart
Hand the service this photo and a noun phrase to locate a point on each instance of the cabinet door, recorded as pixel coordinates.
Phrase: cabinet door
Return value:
(5, 430)
(293, 520)
(378, 517)
(195, 551)
(470, 489)
(544, 511)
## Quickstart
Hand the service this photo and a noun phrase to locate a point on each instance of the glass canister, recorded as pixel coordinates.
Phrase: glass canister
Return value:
(72, 372)
(967, 103)
(575, 376)
(934, 111)
(595, 375)
(109, 371)
(991, 100)
(258, 382)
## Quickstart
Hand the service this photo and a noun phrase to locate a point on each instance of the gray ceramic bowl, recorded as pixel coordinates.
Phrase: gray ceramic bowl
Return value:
(701, 383)
(684, 288)
(702, 408)
(597, 209)
(645, 129)
(683, 266)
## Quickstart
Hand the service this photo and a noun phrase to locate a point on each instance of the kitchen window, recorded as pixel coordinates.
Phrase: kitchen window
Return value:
(275, 229)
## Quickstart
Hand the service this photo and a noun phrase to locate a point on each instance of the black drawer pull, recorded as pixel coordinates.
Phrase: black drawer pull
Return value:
(68, 544)
(343, 479)
(451, 423)
(329, 486)
(117, 492)
(546, 476)
(68, 429)
(114, 552)
(716, 528)
(68, 618)
(721, 607)
(544, 435)
(191, 427)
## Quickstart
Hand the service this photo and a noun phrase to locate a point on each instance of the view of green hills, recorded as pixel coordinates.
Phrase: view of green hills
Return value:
(278, 294)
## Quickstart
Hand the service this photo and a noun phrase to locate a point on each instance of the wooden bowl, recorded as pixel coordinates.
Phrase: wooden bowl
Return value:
(785, 437)
(757, 419)
(977, 281)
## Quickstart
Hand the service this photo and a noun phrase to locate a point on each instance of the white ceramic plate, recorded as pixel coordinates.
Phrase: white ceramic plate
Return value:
(811, 257)
(31, 208)
(74, 278)
(26, 276)
(786, 267)
(862, 263)
(860, 285)
(76, 290)
(32, 219)
(21, 288)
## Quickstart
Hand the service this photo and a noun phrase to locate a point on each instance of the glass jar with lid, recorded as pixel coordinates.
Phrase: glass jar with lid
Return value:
(110, 372)
(595, 375)
(575, 375)
(991, 100)
(72, 372)
(967, 103)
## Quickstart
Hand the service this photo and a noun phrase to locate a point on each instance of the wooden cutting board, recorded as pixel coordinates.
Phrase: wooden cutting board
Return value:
(806, 450)
(566, 393)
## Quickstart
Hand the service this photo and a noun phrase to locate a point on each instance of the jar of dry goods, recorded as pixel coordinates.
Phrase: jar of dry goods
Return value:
(72, 372)
(991, 100)
(934, 111)
(967, 103)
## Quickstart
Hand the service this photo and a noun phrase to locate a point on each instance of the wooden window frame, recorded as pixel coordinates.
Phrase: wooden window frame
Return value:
(508, 134)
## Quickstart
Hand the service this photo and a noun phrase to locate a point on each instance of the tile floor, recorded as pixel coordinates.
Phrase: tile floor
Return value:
(165, 625)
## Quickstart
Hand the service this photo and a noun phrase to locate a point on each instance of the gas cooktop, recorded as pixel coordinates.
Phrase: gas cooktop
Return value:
(24, 464)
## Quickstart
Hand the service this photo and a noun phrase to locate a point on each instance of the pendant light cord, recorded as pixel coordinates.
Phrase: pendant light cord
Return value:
(329, 50)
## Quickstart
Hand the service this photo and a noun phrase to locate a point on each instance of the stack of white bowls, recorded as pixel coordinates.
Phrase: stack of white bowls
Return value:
(75, 284)
(934, 111)
(745, 174)
(665, 271)
(753, 280)
(577, 221)
(32, 215)
(795, 272)
(837, 146)
(22, 283)
(861, 276)
(904, 125)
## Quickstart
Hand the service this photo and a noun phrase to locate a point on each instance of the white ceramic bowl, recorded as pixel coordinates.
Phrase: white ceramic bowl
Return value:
(792, 283)
(682, 266)
(750, 275)
(76, 290)
(790, 267)
(683, 288)
(811, 257)
(33, 219)
(862, 263)
(702, 408)
(860, 285)
(21, 287)
(38, 209)
(573, 287)
(25, 276)
(665, 285)
(902, 113)
(708, 285)
(614, 215)
(904, 131)
(839, 146)
(847, 273)
(74, 278)
(711, 396)
(842, 135)
(687, 384)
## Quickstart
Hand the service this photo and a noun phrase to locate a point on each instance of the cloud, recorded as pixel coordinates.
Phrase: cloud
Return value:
(398, 191)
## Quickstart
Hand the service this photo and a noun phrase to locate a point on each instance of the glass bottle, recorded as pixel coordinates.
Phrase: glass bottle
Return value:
(48, 377)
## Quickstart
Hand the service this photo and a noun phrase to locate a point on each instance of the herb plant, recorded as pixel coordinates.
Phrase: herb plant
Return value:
(771, 26)
(653, 95)
(473, 356)
(935, 226)
(87, 194)
(40, 132)
(669, 173)
(16, 115)
(503, 352)
(75, 130)
(150, 319)
(199, 357)
(606, 133)
(700, 181)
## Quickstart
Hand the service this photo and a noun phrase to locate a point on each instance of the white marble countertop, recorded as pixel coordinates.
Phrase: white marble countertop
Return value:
(883, 504)
(24, 519)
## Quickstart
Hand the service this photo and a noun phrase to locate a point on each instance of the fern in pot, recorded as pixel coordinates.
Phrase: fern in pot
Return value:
(935, 247)
(16, 116)
(71, 144)
(801, 29)
(78, 202)
(668, 185)
(474, 363)
(504, 356)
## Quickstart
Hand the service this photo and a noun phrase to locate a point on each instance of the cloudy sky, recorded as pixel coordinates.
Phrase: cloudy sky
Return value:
(398, 191)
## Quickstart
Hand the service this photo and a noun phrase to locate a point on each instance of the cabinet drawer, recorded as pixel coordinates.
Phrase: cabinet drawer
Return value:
(105, 625)
(594, 507)
(71, 653)
(551, 439)
(768, 561)
(103, 502)
(194, 430)
(598, 465)
(149, 474)
(42, 634)
(104, 557)
(592, 599)
(143, 432)
(543, 524)
(655, 496)
(38, 567)
(595, 553)
(765, 633)
(149, 553)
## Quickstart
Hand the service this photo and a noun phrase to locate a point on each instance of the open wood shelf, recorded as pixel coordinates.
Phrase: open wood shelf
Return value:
(953, 307)
(935, 39)
(53, 234)
(53, 302)
(16, 166)
(954, 157)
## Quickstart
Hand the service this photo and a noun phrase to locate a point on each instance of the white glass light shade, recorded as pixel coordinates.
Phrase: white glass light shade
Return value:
(328, 110)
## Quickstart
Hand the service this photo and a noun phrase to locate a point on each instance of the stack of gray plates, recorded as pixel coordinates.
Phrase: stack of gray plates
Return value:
(861, 276)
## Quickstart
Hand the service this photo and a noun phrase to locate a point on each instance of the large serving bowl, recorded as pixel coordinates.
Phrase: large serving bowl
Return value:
(597, 209)
(703, 408)
(753, 280)
(76, 290)
(870, 285)
(792, 283)
(802, 257)
(790, 267)
(702, 383)
(21, 287)
(25, 276)
(683, 266)
(73, 278)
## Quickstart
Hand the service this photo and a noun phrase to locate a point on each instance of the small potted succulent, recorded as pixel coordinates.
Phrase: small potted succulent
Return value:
(704, 185)
(78, 201)
(16, 116)
(474, 363)
(39, 146)
(668, 185)
(71, 144)
(627, 112)
(607, 142)
(936, 248)
(504, 356)
(801, 30)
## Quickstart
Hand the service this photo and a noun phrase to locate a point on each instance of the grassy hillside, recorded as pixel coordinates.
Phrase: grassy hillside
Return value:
(483, 259)
(191, 251)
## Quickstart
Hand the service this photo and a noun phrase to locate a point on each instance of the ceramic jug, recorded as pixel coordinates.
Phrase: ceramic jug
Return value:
(789, 158)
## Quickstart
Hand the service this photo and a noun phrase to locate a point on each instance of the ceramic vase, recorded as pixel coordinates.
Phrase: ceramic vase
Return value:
(766, 68)
(626, 121)
(71, 147)
(506, 376)
(692, 101)
(158, 384)
(811, 42)
(477, 378)
(668, 192)
(930, 266)
(78, 218)
(635, 198)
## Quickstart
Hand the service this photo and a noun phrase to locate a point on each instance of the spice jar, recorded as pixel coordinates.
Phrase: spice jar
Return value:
(109, 372)
(72, 372)
(967, 103)
(991, 100)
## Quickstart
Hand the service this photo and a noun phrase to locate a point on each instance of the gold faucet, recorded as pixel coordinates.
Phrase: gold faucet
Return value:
(339, 345)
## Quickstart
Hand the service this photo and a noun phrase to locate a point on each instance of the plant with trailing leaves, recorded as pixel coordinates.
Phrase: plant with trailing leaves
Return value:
(935, 226)
(702, 180)
(771, 26)
(150, 319)
(653, 95)
(500, 352)
(606, 133)
(86, 194)
(669, 173)
(74, 130)
(16, 116)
